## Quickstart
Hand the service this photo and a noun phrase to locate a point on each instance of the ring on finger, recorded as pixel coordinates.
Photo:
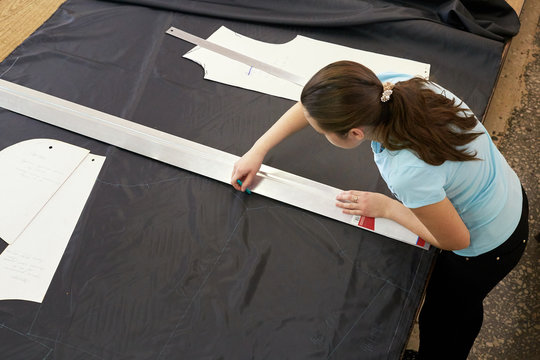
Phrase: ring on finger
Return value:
(355, 198)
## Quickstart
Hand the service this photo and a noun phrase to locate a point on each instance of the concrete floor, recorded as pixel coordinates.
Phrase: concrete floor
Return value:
(511, 328)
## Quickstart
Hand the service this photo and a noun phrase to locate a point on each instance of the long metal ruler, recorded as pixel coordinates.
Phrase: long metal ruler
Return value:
(212, 163)
(267, 68)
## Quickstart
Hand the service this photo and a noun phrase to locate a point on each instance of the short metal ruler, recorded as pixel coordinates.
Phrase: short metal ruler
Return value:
(212, 163)
(231, 54)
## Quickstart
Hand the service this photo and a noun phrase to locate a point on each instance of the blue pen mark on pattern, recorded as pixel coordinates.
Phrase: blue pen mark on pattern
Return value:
(249, 72)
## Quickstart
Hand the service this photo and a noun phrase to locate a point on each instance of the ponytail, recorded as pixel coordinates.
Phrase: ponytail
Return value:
(430, 124)
(345, 95)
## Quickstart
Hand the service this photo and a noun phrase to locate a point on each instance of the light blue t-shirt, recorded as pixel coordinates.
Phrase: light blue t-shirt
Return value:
(486, 193)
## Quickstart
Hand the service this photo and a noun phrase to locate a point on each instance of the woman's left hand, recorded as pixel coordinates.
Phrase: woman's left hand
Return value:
(364, 203)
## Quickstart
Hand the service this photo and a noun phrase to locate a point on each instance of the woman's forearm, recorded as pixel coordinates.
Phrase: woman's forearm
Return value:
(405, 217)
(374, 204)
(439, 223)
(290, 122)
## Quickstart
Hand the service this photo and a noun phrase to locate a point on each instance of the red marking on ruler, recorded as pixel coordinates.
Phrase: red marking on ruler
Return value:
(367, 222)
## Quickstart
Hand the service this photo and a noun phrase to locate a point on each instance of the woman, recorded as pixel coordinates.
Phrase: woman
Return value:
(472, 205)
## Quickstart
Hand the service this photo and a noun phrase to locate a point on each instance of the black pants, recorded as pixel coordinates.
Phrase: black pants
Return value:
(452, 314)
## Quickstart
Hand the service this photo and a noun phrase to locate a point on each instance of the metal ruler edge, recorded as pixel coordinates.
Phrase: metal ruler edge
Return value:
(189, 155)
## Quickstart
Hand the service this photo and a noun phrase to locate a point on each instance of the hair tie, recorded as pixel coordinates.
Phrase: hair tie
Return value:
(387, 91)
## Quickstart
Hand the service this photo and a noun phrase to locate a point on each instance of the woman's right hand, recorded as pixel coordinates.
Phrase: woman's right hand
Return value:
(246, 168)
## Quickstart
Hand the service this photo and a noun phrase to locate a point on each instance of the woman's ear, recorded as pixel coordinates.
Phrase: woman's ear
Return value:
(357, 133)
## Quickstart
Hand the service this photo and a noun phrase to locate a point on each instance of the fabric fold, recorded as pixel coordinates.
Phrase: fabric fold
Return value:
(495, 19)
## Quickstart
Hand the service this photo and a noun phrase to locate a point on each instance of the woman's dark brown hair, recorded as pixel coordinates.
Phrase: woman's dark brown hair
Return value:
(345, 95)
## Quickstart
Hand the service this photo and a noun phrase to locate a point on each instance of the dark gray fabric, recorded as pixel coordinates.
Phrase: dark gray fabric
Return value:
(165, 264)
(494, 19)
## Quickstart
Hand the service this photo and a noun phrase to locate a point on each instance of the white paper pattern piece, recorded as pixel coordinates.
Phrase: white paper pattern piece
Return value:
(27, 265)
(301, 56)
(32, 171)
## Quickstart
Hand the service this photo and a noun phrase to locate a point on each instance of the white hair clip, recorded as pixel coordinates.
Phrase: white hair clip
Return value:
(387, 91)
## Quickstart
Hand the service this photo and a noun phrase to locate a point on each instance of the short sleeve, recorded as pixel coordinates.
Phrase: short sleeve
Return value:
(417, 186)
(393, 77)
